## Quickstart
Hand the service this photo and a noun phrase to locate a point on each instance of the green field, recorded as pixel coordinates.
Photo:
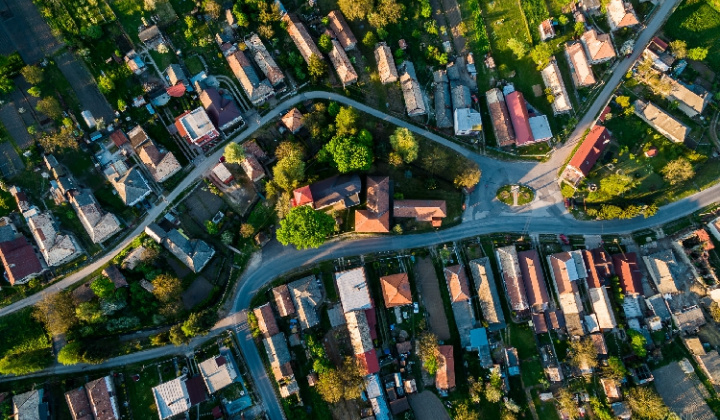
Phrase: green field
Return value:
(24, 344)
(698, 23)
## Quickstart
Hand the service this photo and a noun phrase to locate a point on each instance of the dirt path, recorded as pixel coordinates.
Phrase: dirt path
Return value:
(454, 19)
(430, 294)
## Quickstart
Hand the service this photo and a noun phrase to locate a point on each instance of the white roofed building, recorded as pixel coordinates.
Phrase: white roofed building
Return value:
(553, 80)
(353, 287)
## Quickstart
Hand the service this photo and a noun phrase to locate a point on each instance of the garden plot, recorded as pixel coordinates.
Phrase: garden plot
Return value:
(429, 288)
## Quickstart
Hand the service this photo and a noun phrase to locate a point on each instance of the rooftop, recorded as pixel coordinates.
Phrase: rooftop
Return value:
(293, 120)
(512, 277)
(257, 90)
(301, 37)
(396, 290)
(354, 293)
(196, 126)
(264, 60)
(283, 300)
(341, 30)
(266, 320)
(500, 118)
(519, 117)
(553, 80)
(386, 64)
(445, 377)
(307, 295)
(221, 108)
(487, 293)
(457, 283)
(599, 46)
(580, 69)
(662, 121)
(534, 280)
(217, 372)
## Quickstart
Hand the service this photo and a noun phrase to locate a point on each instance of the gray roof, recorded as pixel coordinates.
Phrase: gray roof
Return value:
(460, 96)
(306, 295)
(195, 253)
(336, 189)
(99, 225)
(132, 187)
(487, 293)
(443, 108)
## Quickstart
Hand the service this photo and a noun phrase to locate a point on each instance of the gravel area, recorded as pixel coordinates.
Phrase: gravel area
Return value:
(84, 86)
(430, 294)
(683, 393)
(10, 162)
(427, 406)
(23, 29)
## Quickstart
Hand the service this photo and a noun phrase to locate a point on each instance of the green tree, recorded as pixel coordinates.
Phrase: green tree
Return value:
(89, 312)
(563, 20)
(266, 31)
(370, 39)
(404, 144)
(57, 312)
(697, 53)
(609, 212)
(677, 171)
(715, 311)
(121, 104)
(6, 84)
(106, 84)
(615, 369)
(436, 160)
(493, 389)
(583, 354)
(85, 351)
(567, 191)
(679, 48)
(34, 92)
(240, 16)
(234, 153)
(616, 184)
(519, 48)
(253, 324)
(212, 8)
(348, 153)
(428, 352)
(317, 67)
(344, 383)
(32, 74)
(333, 109)
(177, 336)
(469, 177)
(386, 12)
(305, 227)
(600, 410)
(92, 31)
(247, 230)
(346, 121)
(325, 43)
(166, 288)
(567, 404)
(646, 403)
(211, 227)
(289, 172)
(103, 288)
(194, 325)
(579, 29)
(541, 54)
(356, 9)
(637, 343)
(50, 107)
(464, 412)
(25, 362)
(623, 101)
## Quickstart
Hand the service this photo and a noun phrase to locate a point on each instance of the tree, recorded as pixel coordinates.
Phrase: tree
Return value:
(344, 383)
(583, 354)
(240, 16)
(34, 92)
(677, 171)
(167, 288)
(57, 312)
(615, 369)
(6, 84)
(103, 288)
(475, 389)
(469, 177)
(317, 67)
(346, 121)
(436, 160)
(266, 31)
(370, 39)
(288, 149)
(356, 9)
(211, 227)
(579, 29)
(679, 48)
(59, 140)
(637, 343)
(121, 104)
(616, 184)
(325, 43)
(106, 84)
(646, 403)
(563, 20)
(428, 351)
(493, 389)
(213, 8)
(567, 404)
(519, 48)
(404, 144)
(386, 13)
(253, 324)
(234, 153)
(715, 311)
(22, 363)
(623, 101)
(89, 312)
(194, 325)
(305, 227)
(464, 412)
(32, 74)
(608, 212)
(177, 336)
(247, 230)
(348, 153)
(541, 54)
(697, 53)
(50, 107)
(289, 172)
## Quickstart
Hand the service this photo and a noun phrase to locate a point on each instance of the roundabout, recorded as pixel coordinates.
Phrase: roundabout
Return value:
(515, 195)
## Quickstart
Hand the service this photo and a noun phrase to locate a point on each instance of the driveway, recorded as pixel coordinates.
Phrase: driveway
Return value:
(15, 125)
(84, 86)
(23, 29)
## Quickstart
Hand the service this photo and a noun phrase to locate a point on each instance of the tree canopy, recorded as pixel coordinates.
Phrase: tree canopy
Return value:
(541, 54)
(646, 403)
(305, 227)
(356, 9)
(349, 153)
(103, 288)
(325, 43)
(469, 177)
(167, 288)
(679, 48)
(57, 312)
(344, 383)
(50, 107)
(346, 121)
(403, 143)
(387, 12)
(32, 74)
(289, 171)
(616, 184)
(63, 139)
(677, 171)
(234, 153)
(317, 67)
(697, 53)
(519, 48)
(427, 345)
(583, 354)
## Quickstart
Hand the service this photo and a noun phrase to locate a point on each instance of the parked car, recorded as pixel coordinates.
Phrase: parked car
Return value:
(564, 239)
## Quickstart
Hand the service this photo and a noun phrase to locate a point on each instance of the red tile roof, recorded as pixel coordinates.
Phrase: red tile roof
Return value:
(519, 117)
(423, 210)
(626, 267)
(589, 151)
(266, 320)
(457, 282)
(396, 290)
(176, 91)
(19, 259)
(445, 378)
(302, 196)
(376, 218)
(604, 113)
(372, 322)
(659, 44)
(593, 279)
(533, 277)
(118, 137)
(283, 301)
(369, 362)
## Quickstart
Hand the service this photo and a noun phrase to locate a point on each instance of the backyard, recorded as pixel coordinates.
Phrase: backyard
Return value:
(697, 22)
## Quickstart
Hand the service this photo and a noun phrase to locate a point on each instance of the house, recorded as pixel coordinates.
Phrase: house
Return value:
(56, 248)
(620, 15)
(414, 101)
(79, 404)
(289, 388)
(252, 168)
(30, 405)
(487, 293)
(664, 271)
(265, 62)
(580, 69)
(114, 275)
(512, 361)
(178, 395)
(283, 300)
(500, 118)
(266, 320)
(539, 323)
(375, 218)
(443, 107)
(160, 163)
(175, 74)
(195, 127)
(132, 187)
(445, 376)
(151, 37)
(457, 283)
(221, 109)
(547, 30)
(689, 101)
(689, 320)
(710, 365)
(217, 373)
(432, 211)
(278, 354)
(621, 410)
(338, 192)
(591, 7)
(19, 259)
(627, 270)
(611, 389)
(459, 94)
(519, 118)
(597, 293)
(307, 295)
(341, 30)
(293, 120)
(662, 62)
(508, 262)
(479, 342)
(714, 227)
(586, 155)
(386, 64)
(660, 120)
(354, 293)
(342, 64)
(257, 91)
(396, 290)
(659, 307)
(301, 37)
(98, 224)
(102, 397)
(598, 47)
(222, 173)
(134, 62)
(194, 253)
(467, 122)
(361, 340)
(532, 275)
(566, 269)
(553, 80)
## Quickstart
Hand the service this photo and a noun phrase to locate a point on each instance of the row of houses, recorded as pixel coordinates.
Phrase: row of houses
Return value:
(453, 103)
(194, 253)
(513, 121)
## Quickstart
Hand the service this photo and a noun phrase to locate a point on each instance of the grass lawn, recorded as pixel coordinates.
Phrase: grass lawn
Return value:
(545, 410)
(531, 371)
(523, 339)
(697, 22)
(140, 397)
(194, 65)
(21, 333)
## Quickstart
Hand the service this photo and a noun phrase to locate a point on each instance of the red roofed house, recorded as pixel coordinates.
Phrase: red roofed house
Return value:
(432, 211)
(119, 138)
(627, 269)
(534, 280)
(302, 196)
(338, 192)
(500, 118)
(341, 30)
(376, 217)
(195, 127)
(283, 300)
(520, 118)
(20, 261)
(253, 169)
(266, 320)
(396, 290)
(586, 155)
(457, 283)
(445, 377)
(293, 120)
(620, 15)
(599, 47)
(222, 173)
(361, 340)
